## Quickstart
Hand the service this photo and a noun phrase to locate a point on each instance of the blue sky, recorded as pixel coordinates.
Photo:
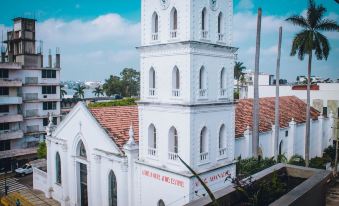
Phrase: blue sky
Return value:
(98, 38)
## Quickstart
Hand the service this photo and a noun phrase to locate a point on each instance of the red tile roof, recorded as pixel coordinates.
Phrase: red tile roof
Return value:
(117, 120)
(290, 107)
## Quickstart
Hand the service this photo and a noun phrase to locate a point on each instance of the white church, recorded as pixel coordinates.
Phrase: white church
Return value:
(129, 156)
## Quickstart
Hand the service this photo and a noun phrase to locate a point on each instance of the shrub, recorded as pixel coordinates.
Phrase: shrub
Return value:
(329, 153)
(297, 160)
(122, 102)
(42, 150)
(247, 167)
(319, 162)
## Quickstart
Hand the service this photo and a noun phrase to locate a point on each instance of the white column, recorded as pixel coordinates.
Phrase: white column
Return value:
(64, 176)
(97, 180)
(273, 149)
(247, 148)
(290, 139)
(49, 168)
(320, 136)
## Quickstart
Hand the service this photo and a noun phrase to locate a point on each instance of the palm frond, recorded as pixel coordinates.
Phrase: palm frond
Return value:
(323, 45)
(298, 44)
(327, 25)
(298, 21)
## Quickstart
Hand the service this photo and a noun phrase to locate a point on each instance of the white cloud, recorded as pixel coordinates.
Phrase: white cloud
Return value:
(245, 4)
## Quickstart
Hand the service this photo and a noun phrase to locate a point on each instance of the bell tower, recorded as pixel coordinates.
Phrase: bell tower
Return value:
(186, 107)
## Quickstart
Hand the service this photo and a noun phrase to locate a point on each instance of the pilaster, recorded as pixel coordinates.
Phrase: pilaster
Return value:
(290, 139)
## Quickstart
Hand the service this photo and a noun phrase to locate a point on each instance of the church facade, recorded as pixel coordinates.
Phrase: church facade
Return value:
(130, 155)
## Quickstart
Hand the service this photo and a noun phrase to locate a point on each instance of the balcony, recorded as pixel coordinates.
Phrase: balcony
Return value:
(220, 37)
(8, 65)
(203, 92)
(32, 113)
(173, 156)
(155, 37)
(152, 152)
(222, 152)
(31, 80)
(7, 100)
(31, 96)
(203, 157)
(10, 83)
(173, 34)
(176, 92)
(11, 118)
(18, 152)
(32, 129)
(204, 34)
(11, 134)
(152, 92)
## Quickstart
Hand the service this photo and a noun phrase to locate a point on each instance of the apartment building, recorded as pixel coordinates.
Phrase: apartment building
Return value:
(28, 93)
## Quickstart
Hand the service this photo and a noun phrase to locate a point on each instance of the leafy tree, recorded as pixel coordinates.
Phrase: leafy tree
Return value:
(238, 68)
(79, 91)
(42, 150)
(62, 91)
(305, 42)
(98, 91)
(112, 86)
(121, 102)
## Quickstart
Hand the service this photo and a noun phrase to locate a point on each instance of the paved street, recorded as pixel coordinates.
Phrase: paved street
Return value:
(16, 183)
(332, 198)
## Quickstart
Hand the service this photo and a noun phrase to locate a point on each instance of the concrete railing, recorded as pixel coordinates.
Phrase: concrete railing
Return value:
(39, 180)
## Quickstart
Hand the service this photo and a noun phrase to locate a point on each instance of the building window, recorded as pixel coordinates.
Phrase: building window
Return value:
(48, 73)
(223, 80)
(202, 82)
(152, 140)
(4, 108)
(152, 82)
(48, 89)
(286, 133)
(4, 126)
(3, 73)
(49, 105)
(203, 19)
(46, 121)
(220, 22)
(4, 91)
(203, 140)
(222, 137)
(155, 26)
(325, 111)
(112, 189)
(174, 23)
(57, 168)
(173, 140)
(175, 82)
(161, 203)
(5, 145)
(81, 151)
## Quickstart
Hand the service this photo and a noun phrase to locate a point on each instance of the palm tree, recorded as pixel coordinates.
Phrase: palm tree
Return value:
(79, 91)
(238, 68)
(98, 91)
(305, 42)
(62, 91)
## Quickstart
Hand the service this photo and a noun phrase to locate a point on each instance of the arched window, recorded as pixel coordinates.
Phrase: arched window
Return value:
(174, 19)
(203, 140)
(202, 82)
(222, 137)
(203, 19)
(112, 189)
(175, 82)
(57, 168)
(281, 147)
(173, 140)
(223, 80)
(161, 203)
(81, 150)
(151, 82)
(152, 137)
(155, 23)
(220, 23)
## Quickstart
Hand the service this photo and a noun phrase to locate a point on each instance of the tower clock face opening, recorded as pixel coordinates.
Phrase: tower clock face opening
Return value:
(164, 4)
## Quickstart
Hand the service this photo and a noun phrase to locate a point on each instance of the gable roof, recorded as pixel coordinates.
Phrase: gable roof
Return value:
(290, 107)
(117, 121)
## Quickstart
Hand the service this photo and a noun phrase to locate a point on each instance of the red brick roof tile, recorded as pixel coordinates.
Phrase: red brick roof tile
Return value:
(290, 107)
(117, 120)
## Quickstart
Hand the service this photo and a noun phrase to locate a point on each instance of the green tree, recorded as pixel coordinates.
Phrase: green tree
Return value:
(112, 86)
(238, 72)
(42, 150)
(305, 42)
(79, 91)
(98, 91)
(130, 82)
(62, 91)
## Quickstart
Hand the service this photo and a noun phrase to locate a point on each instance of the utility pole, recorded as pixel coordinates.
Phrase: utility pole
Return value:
(255, 135)
(277, 84)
